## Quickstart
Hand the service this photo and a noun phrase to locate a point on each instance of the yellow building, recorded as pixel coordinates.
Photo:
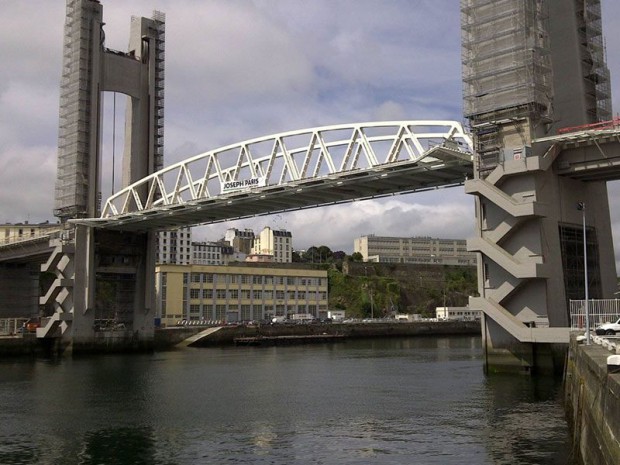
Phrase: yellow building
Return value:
(17, 232)
(240, 292)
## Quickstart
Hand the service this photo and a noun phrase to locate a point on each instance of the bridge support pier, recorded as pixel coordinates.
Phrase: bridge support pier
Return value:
(113, 291)
(505, 354)
(19, 288)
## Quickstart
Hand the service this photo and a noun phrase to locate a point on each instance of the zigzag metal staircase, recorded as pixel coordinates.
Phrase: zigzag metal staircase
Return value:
(61, 263)
(522, 267)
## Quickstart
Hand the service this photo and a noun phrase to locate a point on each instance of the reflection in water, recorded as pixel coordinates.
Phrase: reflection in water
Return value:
(118, 445)
(525, 422)
(389, 401)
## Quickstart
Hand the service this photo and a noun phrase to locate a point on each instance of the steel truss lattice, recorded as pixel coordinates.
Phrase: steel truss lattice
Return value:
(324, 157)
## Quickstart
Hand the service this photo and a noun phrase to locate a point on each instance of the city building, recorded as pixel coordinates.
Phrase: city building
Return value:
(215, 253)
(241, 292)
(241, 240)
(416, 250)
(175, 246)
(457, 313)
(22, 231)
(278, 243)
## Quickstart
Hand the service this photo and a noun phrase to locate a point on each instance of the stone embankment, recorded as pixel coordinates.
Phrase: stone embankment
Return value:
(226, 335)
(169, 338)
(592, 397)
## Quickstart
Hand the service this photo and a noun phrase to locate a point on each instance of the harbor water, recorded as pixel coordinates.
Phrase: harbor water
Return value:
(419, 400)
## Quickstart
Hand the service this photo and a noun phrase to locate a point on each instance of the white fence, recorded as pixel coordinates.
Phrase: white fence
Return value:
(599, 310)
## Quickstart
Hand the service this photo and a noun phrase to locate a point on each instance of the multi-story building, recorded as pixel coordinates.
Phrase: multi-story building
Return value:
(175, 246)
(239, 292)
(241, 241)
(422, 250)
(22, 231)
(457, 313)
(215, 253)
(278, 243)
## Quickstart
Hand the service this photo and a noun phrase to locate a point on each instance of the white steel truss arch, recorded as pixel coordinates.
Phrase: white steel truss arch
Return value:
(324, 157)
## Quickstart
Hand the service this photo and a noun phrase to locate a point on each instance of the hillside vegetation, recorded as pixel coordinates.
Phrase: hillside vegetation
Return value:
(365, 289)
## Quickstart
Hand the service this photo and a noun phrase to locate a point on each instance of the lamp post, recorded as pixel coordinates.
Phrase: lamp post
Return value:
(582, 206)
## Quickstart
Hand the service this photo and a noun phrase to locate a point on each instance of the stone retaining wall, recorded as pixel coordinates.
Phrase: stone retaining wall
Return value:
(592, 397)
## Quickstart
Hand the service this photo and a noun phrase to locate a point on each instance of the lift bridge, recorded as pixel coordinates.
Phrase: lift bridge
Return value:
(537, 99)
(278, 173)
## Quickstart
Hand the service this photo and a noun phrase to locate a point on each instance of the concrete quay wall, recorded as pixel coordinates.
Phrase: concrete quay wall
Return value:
(168, 337)
(592, 398)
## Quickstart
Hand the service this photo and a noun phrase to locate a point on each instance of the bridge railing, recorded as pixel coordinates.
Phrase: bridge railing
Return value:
(11, 326)
(288, 157)
(599, 310)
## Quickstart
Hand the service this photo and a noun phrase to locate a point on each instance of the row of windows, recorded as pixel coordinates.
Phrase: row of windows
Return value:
(246, 294)
(252, 279)
(244, 312)
(20, 232)
(174, 249)
(208, 255)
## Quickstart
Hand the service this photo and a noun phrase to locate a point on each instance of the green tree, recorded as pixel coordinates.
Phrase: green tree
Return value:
(357, 257)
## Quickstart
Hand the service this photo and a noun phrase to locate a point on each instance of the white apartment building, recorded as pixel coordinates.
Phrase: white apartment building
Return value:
(457, 313)
(241, 240)
(215, 253)
(174, 246)
(277, 243)
(210, 253)
(414, 250)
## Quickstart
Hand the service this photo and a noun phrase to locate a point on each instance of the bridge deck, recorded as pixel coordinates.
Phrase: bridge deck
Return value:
(441, 167)
(590, 155)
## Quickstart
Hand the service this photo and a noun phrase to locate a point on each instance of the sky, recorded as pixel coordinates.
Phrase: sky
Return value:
(238, 69)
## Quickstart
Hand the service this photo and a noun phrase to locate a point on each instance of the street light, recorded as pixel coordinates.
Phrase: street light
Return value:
(582, 206)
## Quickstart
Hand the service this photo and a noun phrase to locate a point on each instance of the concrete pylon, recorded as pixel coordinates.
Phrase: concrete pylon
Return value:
(112, 293)
(526, 75)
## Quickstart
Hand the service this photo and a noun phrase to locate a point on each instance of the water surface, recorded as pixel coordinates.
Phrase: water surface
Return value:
(381, 401)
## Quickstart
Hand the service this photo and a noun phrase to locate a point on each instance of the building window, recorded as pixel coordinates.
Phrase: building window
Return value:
(220, 312)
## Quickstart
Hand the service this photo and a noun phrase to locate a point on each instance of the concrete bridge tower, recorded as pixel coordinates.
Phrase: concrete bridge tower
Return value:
(105, 275)
(529, 69)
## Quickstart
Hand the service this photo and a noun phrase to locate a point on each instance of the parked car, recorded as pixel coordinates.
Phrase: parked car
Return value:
(609, 329)
(31, 325)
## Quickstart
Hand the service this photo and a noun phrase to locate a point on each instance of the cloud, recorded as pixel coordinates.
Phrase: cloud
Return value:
(37, 164)
(423, 214)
